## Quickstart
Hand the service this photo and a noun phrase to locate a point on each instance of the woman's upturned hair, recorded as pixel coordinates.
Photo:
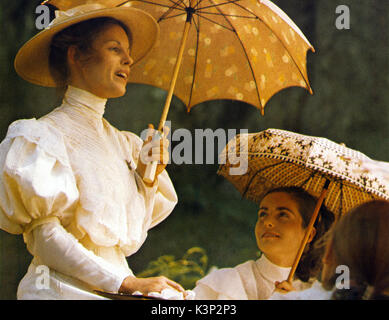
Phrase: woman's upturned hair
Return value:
(360, 241)
(311, 260)
(80, 35)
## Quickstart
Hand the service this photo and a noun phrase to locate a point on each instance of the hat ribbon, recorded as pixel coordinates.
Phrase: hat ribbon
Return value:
(61, 16)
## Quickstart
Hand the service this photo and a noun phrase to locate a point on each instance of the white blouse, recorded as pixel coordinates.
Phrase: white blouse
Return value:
(316, 292)
(252, 280)
(68, 184)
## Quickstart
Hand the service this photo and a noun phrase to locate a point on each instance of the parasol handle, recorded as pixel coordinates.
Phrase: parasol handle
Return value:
(308, 232)
(151, 167)
(175, 75)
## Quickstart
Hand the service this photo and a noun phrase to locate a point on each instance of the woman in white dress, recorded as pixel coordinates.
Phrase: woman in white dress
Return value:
(70, 182)
(283, 216)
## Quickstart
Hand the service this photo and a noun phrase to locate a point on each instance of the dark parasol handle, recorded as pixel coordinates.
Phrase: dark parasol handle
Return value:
(308, 232)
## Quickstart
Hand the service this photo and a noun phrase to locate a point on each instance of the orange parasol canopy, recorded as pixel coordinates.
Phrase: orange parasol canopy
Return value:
(245, 50)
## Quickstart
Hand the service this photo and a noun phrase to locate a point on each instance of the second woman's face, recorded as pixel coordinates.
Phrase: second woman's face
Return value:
(105, 71)
(279, 230)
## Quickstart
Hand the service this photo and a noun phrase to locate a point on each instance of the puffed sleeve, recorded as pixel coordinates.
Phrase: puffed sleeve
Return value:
(36, 179)
(38, 193)
(161, 197)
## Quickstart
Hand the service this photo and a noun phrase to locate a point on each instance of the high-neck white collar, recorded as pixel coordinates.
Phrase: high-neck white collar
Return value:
(272, 271)
(81, 98)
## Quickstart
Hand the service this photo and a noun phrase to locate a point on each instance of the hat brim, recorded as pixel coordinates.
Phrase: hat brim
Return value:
(32, 60)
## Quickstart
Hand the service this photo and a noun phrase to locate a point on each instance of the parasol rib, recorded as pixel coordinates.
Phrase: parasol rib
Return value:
(195, 64)
(309, 178)
(252, 178)
(245, 9)
(123, 3)
(198, 3)
(249, 63)
(196, 26)
(294, 61)
(169, 17)
(227, 15)
(232, 30)
(167, 12)
(178, 4)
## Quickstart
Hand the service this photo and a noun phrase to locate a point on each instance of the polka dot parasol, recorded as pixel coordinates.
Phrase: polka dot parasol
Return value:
(245, 50)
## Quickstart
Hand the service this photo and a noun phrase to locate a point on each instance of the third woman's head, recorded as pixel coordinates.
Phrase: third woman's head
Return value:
(360, 243)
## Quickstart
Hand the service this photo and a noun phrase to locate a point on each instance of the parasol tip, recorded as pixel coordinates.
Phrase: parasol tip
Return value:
(262, 111)
(313, 49)
(310, 90)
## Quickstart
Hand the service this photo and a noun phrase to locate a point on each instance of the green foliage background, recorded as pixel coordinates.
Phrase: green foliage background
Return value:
(348, 73)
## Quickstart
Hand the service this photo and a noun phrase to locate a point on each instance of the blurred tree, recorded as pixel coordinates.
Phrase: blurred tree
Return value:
(186, 271)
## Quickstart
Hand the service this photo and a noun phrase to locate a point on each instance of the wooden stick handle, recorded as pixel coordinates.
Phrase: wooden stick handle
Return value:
(175, 76)
(308, 232)
(151, 167)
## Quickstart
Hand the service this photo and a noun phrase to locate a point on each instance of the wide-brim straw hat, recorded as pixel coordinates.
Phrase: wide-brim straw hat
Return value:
(32, 60)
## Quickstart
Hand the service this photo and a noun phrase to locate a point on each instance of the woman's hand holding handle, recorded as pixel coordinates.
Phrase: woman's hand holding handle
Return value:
(284, 287)
(154, 155)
